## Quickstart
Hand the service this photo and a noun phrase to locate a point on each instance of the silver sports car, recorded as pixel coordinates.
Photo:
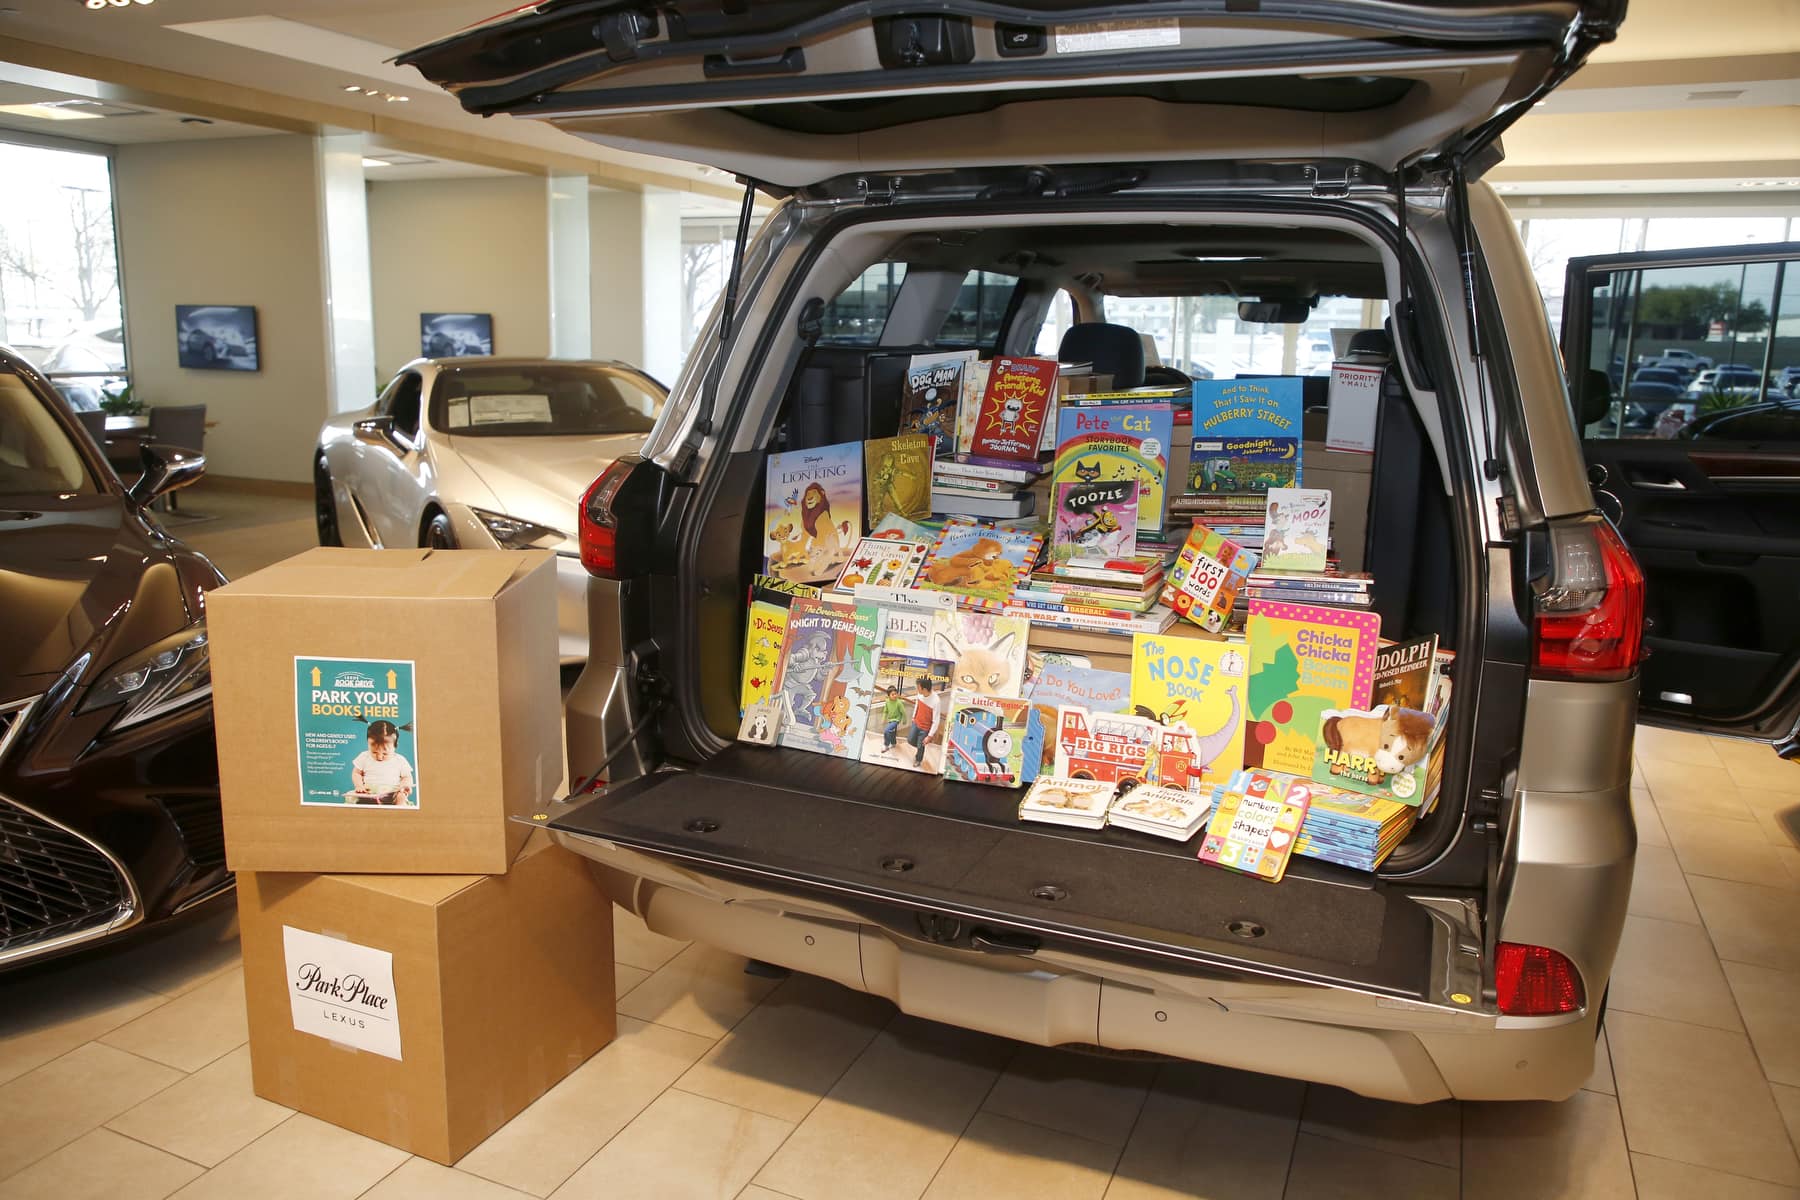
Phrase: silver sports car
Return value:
(489, 452)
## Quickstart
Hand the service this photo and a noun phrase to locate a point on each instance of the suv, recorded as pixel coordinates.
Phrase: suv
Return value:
(1283, 151)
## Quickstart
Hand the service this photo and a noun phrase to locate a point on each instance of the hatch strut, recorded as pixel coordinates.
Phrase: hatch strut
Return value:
(1462, 228)
(715, 370)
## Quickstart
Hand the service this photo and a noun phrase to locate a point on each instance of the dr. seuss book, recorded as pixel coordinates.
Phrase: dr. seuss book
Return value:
(1110, 747)
(907, 721)
(930, 395)
(986, 652)
(980, 563)
(1014, 407)
(986, 739)
(1094, 520)
(813, 512)
(1081, 803)
(770, 599)
(881, 562)
(897, 475)
(1054, 684)
(1383, 750)
(827, 676)
(1246, 435)
(1297, 529)
(1166, 812)
(1304, 661)
(1203, 583)
(1100, 439)
(1254, 826)
(1199, 684)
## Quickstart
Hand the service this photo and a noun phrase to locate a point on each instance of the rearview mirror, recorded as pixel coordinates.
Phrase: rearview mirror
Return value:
(1274, 312)
(166, 469)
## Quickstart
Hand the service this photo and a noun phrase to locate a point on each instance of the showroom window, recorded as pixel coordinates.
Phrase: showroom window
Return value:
(60, 300)
(1203, 336)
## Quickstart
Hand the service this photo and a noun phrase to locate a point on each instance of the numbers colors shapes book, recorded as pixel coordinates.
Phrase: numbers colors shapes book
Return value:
(1111, 440)
(1254, 826)
(812, 512)
(1199, 684)
(827, 676)
(1305, 660)
(1246, 435)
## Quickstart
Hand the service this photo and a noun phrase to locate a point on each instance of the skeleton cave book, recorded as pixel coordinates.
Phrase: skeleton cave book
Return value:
(1297, 529)
(1099, 439)
(827, 676)
(1384, 749)
(1246, 435)
(930, 396)
(1014, 407)
(1305, 660)
(1197, 684)
(812, 515)
(897, 474)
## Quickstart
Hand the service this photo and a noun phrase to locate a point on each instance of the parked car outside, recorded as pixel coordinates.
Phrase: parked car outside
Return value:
(109, 792)
(483, 452)
(1731, 379)
(1775, 420)
(1669, 376)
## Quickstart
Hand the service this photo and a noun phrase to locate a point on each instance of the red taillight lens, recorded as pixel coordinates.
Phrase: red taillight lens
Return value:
(599, 524)
(1535, 981)
(1588, 620)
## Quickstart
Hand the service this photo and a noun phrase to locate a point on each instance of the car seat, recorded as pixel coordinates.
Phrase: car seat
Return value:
(1114, 350)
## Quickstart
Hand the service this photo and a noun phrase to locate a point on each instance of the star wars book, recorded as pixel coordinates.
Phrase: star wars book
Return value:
(1305, 660)
(1246, 435)
(897, 477)
(1117, 440)
(930, 395)
(1298, 529)
(1254, 826)
(1055, 800)
(1094, 520)
(1198, 684)
(986, 739)
(812, 514)
(1014, 408)
(827, 677)
(981, 564)
(906, 720)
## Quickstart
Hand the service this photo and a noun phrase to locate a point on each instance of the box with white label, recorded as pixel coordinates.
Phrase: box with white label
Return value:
(425, 1010)
(1355, 393)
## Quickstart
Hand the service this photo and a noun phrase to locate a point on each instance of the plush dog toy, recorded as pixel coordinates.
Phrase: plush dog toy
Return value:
(1393, 740)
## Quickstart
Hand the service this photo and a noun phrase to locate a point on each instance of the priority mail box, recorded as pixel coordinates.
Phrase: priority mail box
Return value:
(386, 710)
(425, 1010)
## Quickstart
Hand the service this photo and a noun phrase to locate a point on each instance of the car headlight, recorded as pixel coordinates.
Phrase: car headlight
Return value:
(514, 534)
(171, 674)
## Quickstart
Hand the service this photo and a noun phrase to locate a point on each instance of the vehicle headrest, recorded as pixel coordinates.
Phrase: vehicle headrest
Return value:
(1373, 342)
(1114, 350)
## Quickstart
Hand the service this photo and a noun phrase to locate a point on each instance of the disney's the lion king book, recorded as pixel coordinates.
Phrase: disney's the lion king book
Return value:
(812, 516)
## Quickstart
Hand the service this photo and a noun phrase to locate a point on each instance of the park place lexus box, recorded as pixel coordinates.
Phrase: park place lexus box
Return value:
(425, 1010)
(386, 710)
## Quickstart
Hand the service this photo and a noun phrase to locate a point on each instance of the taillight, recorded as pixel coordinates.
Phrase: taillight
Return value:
(599, 522)
(1535, 981)
(1588, 609)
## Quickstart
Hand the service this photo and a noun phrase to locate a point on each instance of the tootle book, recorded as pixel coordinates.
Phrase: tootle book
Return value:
(827, 676)
(1100, 439)
(897, 474)
(1246, 435)
(812, 514)
(1014, 407)
(1094, 520)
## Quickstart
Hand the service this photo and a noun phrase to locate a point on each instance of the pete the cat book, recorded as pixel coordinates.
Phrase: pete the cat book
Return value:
(812, 514)
(1305, 660)
(1100, 439)
(1246, 435)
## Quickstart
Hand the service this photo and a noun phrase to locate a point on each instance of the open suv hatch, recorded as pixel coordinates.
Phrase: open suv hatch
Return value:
(1280, 151)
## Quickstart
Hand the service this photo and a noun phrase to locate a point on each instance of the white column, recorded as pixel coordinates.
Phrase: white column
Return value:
(349, 299)
(571, 266)
(661, 284)
(616, 254)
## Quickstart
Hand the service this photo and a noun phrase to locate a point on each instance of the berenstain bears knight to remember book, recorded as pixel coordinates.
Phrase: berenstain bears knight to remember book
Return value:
(812, 517)
(827, 676)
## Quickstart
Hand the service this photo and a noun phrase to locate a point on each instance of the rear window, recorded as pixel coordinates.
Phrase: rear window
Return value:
(858, 314)
(542, 401)
(36, 456)
(976, 318)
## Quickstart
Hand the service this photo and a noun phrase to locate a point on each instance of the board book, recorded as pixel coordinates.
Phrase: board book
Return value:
(1305, 660)
(1081, 803)
(882, 563)
(1109, 747)
(1198, 684)
(1117, 439)
(986, 739)
(897, 477)
(1055, 684)
(812, 511)
(1203, 582)
(1385, 749)
(980, 563)
(1297, 529)
(1247, 435)
(1164, 812)
(1254, 826)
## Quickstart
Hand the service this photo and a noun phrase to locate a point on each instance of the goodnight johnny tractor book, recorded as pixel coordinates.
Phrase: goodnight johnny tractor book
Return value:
(1305, 660)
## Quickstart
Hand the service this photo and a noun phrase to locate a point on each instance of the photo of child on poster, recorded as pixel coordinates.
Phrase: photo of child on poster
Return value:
(381, 774)
(354, 721)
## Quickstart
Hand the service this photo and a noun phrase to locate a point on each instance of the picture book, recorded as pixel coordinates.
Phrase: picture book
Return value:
(1304, 661)
(1383, 750)
(906, 725)
(1056, 800)
(1110, 747)
(982, 564)
(1246, 435)
(1094, 519)
(762, 722)
(1014, 407)
(906, 617)
(812, 516)
(1054, 684)
(1203, 583)
(897, 476)
(1117, 440)
(1166, 812)
(896, 528)
(880, 562)
(763, 631)
(974, 386)
(930, 394)
(986, 652)
(1254, 826)
(1199, 684)
(827, 677)
(1298, 529)
(986, 739)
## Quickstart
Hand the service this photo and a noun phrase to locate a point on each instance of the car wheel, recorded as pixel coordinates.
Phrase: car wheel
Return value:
(325, 505)
(438, 534)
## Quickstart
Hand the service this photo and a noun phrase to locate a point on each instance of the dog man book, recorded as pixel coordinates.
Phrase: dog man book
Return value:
(1246, 435)
(931, 395)
(1014, 407)
(1117, 440)
(813, 512)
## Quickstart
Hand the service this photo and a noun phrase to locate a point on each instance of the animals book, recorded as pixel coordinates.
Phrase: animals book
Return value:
(1305, 660)
(1014, 407)
(986, 652)
(986, 739)
(827, 676)
(906, 725)
(1203, 583)
(1111, 747)
(1198, 684)
(1165, 812)
(1246, 435)
(1094, 520)
(1383, 750)
(813, 511)
(1055, 800)
(1298, 529)
(897, 476)
(930, 394)
(1112, 440)
(1254, 826)
(881, 562)
(1054, 684)
(981, 564)
(770, 599)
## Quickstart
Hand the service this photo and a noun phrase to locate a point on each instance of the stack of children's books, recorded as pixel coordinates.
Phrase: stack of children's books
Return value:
(1119, 595)
(968, 485)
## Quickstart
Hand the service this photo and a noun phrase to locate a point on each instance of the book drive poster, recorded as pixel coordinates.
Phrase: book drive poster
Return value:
(353, 718)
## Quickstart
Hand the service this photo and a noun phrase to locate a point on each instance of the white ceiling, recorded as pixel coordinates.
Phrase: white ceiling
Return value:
(122, 124)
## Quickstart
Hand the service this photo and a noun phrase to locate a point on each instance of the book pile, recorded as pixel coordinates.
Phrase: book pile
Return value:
(1114, 594)
(1327, 587)
(1351, 829)
(968, 485)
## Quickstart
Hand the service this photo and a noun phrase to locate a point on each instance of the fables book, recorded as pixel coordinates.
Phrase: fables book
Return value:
(982, 564)
(1298, 529)
(1094, 520)
(986, 739)
(897, 476)
(1014, 407)
(1304, 661)
(770, 599)
(1246, 435)
(930, 394)
(827, 677)
(813, 511)
(1106, 440)
(986, 652)
(1199, 684)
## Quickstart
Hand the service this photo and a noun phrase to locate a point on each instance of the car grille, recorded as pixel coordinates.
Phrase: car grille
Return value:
(53, 883)
(202, 828)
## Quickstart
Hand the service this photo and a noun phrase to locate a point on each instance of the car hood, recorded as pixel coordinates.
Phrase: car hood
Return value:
(76, 577)
(541, 479)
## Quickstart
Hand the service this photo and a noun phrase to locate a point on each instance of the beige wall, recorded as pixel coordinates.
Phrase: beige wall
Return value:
(616, 248)
(230, 222)
(460, 245)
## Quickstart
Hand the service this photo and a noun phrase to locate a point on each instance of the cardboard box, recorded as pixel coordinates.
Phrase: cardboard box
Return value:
(452, 653)
(497, 987)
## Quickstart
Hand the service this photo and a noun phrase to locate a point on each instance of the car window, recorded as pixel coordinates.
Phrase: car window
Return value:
(37, 456)
(974, 320)
(857, 315)
(1057, 320)
(1769, 422)
(543, 400)
(403, 405)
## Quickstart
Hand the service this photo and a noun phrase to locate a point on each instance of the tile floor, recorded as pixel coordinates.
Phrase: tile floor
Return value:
(126, 1075)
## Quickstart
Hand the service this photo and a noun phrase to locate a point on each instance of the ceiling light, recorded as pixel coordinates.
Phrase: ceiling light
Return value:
(51, 111)
(401, 99)
(353, 87)
(376, 162)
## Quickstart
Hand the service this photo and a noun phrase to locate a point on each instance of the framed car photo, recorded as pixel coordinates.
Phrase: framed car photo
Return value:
(217, 337)
(455, 335)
